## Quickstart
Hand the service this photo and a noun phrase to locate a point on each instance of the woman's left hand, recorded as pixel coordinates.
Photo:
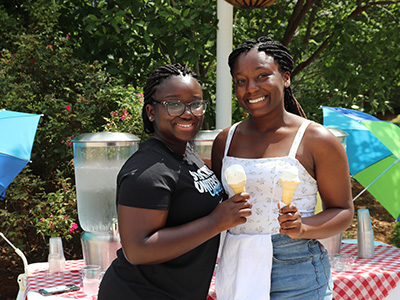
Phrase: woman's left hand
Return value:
(290, 221)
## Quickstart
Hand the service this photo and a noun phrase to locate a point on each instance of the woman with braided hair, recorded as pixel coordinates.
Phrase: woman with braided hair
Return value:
(275, 254)
(169, 202)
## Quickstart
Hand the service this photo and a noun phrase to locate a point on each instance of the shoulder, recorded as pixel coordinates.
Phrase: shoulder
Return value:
(217, 152)
(220, 142)
(152, 160)
(316, 132)
(148, 153)
(321, 140)
(222, 136)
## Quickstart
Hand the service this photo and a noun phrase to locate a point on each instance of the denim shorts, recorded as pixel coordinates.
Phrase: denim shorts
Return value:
(300, 270)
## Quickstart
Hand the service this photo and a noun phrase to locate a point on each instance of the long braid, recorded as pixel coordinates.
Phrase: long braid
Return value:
(281, 56)
(154, 80)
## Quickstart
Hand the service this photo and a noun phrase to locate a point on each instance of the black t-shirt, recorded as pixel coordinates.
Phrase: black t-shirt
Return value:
(156, 178)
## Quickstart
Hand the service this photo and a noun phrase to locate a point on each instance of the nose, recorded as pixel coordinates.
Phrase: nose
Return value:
(252, 86)
(187, 113)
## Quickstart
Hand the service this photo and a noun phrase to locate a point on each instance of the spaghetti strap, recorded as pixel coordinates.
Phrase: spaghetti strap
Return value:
(229, 137)
(298, 138)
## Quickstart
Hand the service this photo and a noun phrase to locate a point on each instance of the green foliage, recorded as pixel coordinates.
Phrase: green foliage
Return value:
(56, 213)
(133, 38)
(41, 76)
(31, 215)
(128, 116)
(395, 238)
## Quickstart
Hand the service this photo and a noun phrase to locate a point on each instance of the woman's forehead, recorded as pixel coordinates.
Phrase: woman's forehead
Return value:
(179, 84)
(254, 59)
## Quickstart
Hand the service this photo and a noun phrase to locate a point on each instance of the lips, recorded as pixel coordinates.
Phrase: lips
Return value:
(185, 125)
(253, 101)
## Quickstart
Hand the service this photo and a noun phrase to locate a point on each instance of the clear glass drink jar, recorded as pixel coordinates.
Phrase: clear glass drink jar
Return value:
(98, 157)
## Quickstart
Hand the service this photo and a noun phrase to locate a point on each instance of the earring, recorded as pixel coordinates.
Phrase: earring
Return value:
(151, 118)
(286, 84)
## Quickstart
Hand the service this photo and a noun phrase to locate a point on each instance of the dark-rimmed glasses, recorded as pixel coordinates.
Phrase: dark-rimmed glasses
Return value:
(176, 108)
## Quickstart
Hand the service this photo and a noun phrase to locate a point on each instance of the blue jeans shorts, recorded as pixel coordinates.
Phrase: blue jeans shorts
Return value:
(300, 270)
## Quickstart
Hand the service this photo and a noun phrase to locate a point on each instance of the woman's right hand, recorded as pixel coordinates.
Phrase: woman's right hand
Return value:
(232, 211)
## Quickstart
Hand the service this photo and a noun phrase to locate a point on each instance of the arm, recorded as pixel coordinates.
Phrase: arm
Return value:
(325, 158)
(146, 240)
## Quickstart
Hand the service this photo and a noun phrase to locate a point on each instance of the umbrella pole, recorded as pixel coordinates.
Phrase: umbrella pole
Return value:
(395, 162)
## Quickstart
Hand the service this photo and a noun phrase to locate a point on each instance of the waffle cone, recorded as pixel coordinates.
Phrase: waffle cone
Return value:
(238, 188)
(288, 188)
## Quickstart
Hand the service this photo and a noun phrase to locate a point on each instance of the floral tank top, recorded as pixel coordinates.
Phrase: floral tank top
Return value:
(264, 187)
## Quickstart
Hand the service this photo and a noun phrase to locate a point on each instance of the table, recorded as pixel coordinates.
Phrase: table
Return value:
(38, 278)
(375, 278)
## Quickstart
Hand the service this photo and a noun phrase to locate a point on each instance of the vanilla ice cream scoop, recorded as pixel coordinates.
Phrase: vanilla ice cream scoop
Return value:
(290, 173)
(236, 178)
(289, 182)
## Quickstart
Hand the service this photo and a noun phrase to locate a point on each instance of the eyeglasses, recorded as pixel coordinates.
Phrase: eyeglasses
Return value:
(176, 108)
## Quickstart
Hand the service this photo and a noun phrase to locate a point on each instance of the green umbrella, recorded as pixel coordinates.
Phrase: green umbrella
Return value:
(373, 150)
(386, 187)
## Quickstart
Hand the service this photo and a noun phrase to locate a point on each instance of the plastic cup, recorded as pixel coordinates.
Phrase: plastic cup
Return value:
(342, 262)
(56, 263)
(56, 257)
(91, 279)
(365, 235)
(56, 246)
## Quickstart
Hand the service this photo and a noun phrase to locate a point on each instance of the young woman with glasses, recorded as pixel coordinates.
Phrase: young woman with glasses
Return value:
(169, 202)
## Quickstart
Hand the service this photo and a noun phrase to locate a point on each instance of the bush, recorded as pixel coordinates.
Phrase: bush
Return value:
(30, 216)
(395, 238)
(40, 75)
(128, 115)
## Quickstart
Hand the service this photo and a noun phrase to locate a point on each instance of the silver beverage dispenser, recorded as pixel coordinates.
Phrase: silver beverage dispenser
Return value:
(98, 157)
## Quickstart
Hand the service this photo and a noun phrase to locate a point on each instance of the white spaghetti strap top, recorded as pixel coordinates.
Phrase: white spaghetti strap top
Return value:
(298, 138)
(264, 187)
(295, 144)
(244, 276)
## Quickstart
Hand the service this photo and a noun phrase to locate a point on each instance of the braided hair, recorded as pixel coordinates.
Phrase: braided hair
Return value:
(152, 83)
(282, 57)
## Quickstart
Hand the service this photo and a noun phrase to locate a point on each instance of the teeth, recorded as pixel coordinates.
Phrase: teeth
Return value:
(256, 100)
(183, 125)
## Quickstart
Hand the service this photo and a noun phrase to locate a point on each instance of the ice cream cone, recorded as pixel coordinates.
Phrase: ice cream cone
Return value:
(238, 188)
(236, 178)
(288, 188)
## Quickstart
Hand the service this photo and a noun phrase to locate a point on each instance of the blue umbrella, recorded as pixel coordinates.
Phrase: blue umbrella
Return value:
(373, 151)
(17, 134)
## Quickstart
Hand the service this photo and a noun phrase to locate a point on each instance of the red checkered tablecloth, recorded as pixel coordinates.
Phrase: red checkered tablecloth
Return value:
(39, 278)
(369, 279)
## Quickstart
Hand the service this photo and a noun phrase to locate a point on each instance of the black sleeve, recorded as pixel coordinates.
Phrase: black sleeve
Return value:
(147, 184)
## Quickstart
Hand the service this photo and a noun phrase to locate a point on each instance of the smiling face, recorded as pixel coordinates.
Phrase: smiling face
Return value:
(175, 132)
(259, 84)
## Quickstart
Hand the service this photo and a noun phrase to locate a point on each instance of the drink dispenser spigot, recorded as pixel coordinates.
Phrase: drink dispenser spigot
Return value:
(98, 157)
